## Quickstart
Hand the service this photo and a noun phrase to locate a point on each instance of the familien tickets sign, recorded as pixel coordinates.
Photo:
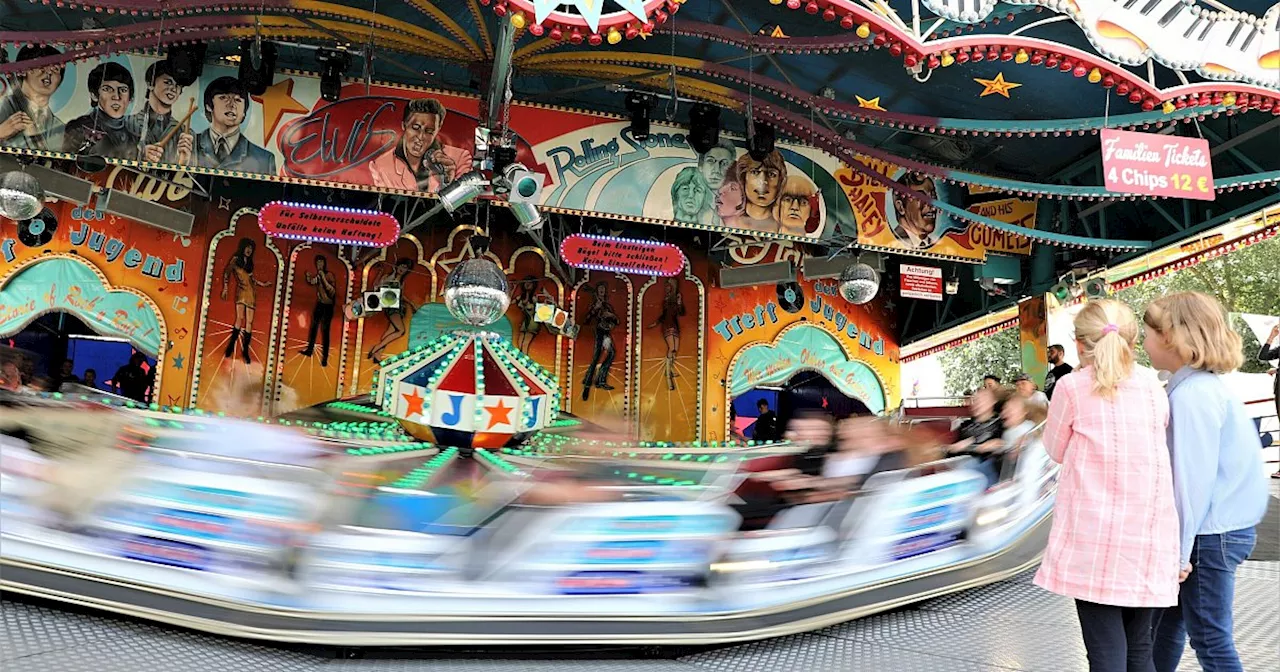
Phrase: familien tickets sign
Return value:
(340, 226)
(1150, 164)
(621, 255)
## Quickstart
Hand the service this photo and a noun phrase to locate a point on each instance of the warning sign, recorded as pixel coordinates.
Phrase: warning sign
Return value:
(920, 282)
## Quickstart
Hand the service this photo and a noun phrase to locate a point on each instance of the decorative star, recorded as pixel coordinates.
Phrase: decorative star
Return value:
(177, 362)
(415, 402)
(870, 104)
(997, 85)
(499, 412)
(224, 203)
(276, 102)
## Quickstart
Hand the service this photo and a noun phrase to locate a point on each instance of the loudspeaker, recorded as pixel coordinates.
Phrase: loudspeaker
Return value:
(387, 298)
(821, 268)
(758, 274)
(152, 214)
(55, 183)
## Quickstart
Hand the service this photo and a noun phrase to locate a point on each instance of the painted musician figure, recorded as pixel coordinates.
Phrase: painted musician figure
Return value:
(164, 139)
(322, 310)
(606, 320)
(105, 130)
(669, 320)
(222, 146)
(917, 221)
(240, 268)
(26, 121)
(420, 162)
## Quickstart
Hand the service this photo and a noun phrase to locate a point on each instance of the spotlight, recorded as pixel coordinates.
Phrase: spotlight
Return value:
(639, 105)
(186, 62)
(528, 215)
(522, 184)
(704, 127)
(828, 92)
(257, 65)
(952, 286)
(1097, 288)
(760, 144)
(333, 65)
(462, 190)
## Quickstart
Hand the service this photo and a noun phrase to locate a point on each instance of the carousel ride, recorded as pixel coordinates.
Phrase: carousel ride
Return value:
(418, 515)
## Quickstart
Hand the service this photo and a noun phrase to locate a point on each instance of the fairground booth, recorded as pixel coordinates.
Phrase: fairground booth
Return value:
(478, 231)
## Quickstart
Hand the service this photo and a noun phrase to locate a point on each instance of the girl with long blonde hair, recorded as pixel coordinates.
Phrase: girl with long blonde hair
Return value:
(1218, 479)
(1114, 543)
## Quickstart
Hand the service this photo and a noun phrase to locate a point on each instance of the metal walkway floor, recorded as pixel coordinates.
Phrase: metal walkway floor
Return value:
(1011, 625)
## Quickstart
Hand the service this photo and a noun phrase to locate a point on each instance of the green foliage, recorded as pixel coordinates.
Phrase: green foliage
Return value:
(964, 366)
(1246, 281)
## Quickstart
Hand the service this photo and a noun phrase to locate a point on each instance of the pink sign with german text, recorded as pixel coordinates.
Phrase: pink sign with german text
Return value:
(1150, 164)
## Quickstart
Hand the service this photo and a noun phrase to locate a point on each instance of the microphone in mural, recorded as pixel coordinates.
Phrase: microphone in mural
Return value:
(240, 269)
(26, 122)
(105, 130)
(322, 309)
(420, 161)
(602, 316)
(669, 320)
(396, 316)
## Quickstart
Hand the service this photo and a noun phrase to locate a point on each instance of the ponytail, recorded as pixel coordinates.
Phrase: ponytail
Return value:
(1107, 331)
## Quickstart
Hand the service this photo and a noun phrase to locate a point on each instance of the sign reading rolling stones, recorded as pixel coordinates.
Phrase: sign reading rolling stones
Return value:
(1150, 164)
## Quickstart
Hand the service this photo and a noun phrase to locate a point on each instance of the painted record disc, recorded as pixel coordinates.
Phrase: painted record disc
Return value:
(38, 230)
(790, 296)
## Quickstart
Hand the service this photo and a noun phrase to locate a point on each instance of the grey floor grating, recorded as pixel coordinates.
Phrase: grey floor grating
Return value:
(1011, 625)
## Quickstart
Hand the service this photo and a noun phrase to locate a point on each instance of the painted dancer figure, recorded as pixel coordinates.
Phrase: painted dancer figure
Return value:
(240, 268)
(669, 320)
(606, 320)
(322, 310)
(396, 326)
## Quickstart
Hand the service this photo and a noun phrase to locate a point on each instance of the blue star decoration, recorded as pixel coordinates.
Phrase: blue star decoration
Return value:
(177, 362)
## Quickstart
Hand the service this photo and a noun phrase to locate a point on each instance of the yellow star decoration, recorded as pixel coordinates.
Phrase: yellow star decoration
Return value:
(997, 85)
(276, 102)
(872, 104)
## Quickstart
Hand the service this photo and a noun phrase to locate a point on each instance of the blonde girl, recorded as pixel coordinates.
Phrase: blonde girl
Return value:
(1114, 543)
(1218, 478)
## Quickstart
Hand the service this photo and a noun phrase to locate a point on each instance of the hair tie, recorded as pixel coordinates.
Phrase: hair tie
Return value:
(1110, 329)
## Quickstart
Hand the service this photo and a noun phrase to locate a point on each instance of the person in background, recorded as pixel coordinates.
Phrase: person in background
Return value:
(11, 377)
(766, 423)
(90, 378)
(132, 380)
(991, 381)
(1269, 352)
(1020, 415)
(980, 434)
(65, 374)
(1026, 388)
(1113, 547)
(1057, 360)
(1220, 491)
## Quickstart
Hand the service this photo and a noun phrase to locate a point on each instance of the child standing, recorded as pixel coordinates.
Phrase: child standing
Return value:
(1114, 542)
(1218, 476)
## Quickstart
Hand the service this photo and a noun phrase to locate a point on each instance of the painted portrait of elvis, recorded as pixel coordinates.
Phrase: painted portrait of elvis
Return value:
(420, 161)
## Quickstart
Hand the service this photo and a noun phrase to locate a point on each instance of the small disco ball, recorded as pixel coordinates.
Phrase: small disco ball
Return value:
(476, 292)
(859, 283)
(21, 197)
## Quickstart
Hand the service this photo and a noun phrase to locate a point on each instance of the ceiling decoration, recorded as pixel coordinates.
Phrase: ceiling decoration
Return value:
(997, 86)
(1179, 34)
(576, 21)
(870, 103)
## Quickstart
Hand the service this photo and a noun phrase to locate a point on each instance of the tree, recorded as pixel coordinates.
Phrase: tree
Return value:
(964, 366)
(1245, 281)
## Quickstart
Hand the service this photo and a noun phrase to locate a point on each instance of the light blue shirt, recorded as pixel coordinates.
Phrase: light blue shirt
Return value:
(1218, 478)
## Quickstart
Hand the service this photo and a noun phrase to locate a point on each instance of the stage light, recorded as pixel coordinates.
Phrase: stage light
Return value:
(333, 65)
(761, 143)
(462, 190)
(257, 65)
(522, 184)
(639, 105)
(1097, 288)
(528, 215)
(186, 62)
(704, 127)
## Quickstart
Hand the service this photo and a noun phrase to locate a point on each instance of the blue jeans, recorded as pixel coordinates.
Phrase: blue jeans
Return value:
(1204, 605)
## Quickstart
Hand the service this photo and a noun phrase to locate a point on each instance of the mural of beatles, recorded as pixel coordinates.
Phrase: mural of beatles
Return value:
(26, 120)
(240, 270)
(420, 161)
(105, 130)
(222, 145)
(740, 192)
(164, 138)
(602, 319)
